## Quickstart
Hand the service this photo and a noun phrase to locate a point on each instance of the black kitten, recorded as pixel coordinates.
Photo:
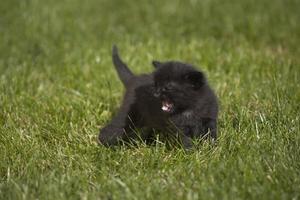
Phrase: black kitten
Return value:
(175, 99)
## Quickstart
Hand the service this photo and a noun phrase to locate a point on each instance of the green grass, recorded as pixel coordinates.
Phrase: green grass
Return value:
(58, 87)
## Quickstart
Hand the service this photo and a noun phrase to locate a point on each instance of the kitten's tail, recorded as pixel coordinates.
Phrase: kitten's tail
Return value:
(123, 71)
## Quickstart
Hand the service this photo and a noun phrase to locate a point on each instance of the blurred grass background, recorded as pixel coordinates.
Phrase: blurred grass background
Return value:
(58, 87)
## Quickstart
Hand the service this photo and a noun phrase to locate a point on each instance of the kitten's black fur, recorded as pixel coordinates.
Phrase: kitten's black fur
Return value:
(174, 99)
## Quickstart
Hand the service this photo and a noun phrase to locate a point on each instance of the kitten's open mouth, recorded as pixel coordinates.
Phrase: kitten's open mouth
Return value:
(167, 106)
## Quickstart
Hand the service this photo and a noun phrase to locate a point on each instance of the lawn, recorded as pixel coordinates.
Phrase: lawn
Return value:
(58, 87)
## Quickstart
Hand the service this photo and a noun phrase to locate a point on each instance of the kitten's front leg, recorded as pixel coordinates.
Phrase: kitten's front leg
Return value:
(186, 142)
(211, 128)
(111, 135)
(185, 138)
(118, 129)
(183, 132)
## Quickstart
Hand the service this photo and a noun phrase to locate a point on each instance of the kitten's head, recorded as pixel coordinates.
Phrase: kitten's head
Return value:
(177, 85)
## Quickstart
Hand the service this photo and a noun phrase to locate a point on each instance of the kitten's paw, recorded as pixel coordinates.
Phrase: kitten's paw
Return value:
(110, 135)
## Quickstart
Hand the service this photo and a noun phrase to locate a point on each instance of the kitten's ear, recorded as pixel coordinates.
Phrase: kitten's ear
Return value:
(156, 63)
(197, 79)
